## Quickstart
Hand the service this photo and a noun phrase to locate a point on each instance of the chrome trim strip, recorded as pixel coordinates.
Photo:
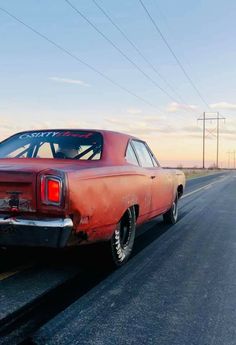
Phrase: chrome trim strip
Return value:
(47, 223)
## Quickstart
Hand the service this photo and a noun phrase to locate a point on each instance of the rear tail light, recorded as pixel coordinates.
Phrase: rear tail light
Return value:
(51, 190)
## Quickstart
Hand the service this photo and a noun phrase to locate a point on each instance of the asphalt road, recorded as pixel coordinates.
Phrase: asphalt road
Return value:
(179, 289)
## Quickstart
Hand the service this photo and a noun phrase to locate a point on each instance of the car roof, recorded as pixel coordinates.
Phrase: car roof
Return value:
(116, 146)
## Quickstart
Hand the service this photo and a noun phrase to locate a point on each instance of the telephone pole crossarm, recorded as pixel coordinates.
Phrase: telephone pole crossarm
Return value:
(211, 118)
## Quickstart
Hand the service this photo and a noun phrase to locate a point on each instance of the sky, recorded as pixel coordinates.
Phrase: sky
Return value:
(42, 86)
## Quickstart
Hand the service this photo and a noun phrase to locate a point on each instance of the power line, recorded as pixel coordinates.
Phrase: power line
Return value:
(118, 49)
(137, 50)
(144, 57)
(228, 153)
(75, 57)
(173, 53)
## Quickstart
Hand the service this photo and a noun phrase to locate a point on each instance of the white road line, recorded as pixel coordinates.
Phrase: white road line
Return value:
(201, 188)
(195, 191)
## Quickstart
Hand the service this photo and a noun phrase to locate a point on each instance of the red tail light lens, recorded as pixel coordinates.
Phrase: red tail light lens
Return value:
(51, 190)
(54, 191)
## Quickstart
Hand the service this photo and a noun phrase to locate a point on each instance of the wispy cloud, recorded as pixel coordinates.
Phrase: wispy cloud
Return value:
(116, 121)
(192, 129)
(229, 131)
(134, 111)
(9, 127)
(140, 128)
(173, 107)
(69, 81)
(157, 118)
(223, 105)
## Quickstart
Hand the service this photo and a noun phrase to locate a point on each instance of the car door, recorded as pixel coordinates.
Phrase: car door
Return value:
(141, 183)
(162, 188)
(161, 184)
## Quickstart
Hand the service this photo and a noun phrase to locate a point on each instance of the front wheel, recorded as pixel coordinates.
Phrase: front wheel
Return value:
(171, 216)
(122, 240)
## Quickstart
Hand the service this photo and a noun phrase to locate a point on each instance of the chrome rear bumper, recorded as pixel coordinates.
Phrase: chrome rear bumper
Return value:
(47, 232)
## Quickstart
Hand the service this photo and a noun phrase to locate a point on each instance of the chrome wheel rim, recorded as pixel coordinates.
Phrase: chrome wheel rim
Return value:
(125, 231)
(175, 209)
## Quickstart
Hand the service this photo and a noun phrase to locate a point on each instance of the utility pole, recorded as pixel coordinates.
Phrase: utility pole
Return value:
(228, 153)
(210, 118)
(204, 138)
(233, 153)
(218, 139)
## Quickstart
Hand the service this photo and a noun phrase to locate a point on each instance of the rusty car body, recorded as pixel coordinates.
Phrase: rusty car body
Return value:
(69, 187)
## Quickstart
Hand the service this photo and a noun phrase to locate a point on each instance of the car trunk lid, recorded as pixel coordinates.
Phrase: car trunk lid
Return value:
(19, 178)
(17, 191)
(18, 183)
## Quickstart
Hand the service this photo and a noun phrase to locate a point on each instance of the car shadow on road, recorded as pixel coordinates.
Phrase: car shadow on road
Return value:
(93, 267)
(144, 239)
(93, 257)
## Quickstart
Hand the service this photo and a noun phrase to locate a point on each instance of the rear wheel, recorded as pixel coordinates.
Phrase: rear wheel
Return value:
(171, 216)
(122, 240)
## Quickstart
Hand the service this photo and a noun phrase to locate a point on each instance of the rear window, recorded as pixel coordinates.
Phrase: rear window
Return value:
(60, 144)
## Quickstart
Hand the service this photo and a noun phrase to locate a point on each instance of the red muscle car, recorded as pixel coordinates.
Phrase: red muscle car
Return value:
(69, 187)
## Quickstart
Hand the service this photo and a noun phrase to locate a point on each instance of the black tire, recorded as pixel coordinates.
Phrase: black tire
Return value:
(171, 216)
(122, 241)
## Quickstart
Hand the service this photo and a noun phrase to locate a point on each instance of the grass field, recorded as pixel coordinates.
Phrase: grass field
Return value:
(192, 173)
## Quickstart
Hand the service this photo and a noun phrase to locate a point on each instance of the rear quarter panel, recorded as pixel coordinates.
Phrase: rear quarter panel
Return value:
(177, 179)
(99, 197)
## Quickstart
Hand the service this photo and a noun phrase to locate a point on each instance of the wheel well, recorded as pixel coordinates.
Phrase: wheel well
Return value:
(136, 209)
(180, 190)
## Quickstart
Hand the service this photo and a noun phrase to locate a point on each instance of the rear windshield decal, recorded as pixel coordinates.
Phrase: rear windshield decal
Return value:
(54, 134)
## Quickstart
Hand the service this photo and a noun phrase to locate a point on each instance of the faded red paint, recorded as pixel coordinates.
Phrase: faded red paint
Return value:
(96, 193)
